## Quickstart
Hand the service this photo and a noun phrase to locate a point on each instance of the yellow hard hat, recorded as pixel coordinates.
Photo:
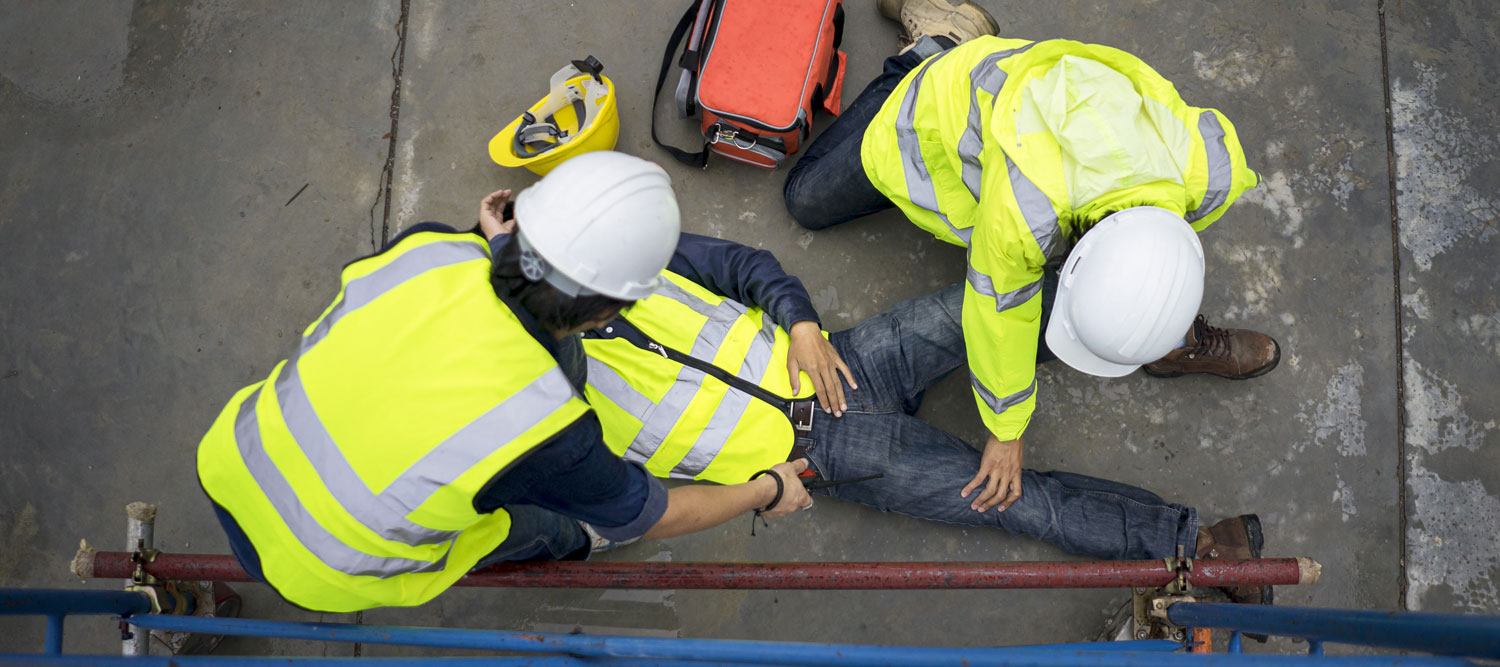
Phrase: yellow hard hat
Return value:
(578, 115)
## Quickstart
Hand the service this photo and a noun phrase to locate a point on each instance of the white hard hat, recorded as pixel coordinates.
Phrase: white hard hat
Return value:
(600, 223)
(1128, 292)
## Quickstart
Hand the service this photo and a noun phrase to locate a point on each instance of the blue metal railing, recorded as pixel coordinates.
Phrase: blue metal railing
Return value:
(56, 604)
(614, 647)
(1082, 658)
(1449, 634)
(1443, 634)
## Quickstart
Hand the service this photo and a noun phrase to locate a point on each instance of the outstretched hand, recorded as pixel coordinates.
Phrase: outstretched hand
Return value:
(810, 352)
(1001, 464)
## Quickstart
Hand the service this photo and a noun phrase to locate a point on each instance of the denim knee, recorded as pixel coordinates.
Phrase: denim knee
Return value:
(806, 211)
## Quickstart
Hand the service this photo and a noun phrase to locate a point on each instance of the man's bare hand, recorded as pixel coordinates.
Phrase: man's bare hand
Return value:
(492, 215)
(794, 496)
(812, 353)
(1001, 464)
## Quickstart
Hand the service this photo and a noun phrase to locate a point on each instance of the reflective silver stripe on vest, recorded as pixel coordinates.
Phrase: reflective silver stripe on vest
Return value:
(478, 439)
(919, 187)
(715, 433)
(1220, 171)
(731, 408)
(999, 405)
(606, 381)
(758, 357)
(365, 289)
(327, 548)
(381, 516)
(1037, 209)
(660, 419)
(655, 429)
(1003, 301)
(711, 337)
(990, 78)
(672, 291)
(721, 319)
(672, 406)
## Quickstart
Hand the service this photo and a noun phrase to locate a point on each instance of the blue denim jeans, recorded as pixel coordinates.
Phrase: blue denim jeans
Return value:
(539, 534)
(895, 358)
(828, 185)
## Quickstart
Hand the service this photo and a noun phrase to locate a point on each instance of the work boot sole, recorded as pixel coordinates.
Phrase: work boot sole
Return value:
(1275, 361)
(1257, 541)
(977, 18)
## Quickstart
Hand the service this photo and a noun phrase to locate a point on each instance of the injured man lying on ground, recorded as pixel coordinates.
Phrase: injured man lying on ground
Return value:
(725, 371)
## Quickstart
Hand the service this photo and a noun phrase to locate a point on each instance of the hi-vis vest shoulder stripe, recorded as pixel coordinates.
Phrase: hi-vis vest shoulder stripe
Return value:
(354, 466)
(677, 420)
(1036, 131)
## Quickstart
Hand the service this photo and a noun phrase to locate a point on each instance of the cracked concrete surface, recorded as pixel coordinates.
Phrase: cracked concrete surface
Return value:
(153, 265)
(1444, 119)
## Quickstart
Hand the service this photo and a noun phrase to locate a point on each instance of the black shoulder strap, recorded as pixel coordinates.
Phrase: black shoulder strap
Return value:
(699, 159)
(623, 329)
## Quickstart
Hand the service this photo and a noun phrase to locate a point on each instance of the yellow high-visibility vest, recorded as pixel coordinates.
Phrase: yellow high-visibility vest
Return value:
(1014, 148)
(680, 421)
(353, 468)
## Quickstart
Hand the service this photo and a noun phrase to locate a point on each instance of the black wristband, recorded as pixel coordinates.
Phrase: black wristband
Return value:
(780, 488)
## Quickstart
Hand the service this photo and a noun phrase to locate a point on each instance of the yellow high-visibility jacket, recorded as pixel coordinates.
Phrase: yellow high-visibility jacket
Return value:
(1013, 149)
(677, 420)
(353, 468)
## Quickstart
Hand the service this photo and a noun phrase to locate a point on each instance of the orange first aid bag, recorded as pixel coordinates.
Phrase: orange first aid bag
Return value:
(754, 73)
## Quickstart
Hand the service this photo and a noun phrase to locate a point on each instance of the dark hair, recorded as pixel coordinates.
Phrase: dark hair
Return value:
(554, 310)
(1083, 225)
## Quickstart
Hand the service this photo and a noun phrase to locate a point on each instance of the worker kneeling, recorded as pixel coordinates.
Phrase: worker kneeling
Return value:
(430, 421)
(720, 372)
(1077, 180)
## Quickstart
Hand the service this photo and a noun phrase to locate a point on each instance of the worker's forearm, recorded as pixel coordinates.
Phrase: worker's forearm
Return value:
(701, 506)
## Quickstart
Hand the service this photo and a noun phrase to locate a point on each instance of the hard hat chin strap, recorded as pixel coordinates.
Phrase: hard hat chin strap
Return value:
(536, 269)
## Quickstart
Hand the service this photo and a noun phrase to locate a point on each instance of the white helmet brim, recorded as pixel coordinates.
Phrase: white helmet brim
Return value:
(1128, 290)
(1064, 343)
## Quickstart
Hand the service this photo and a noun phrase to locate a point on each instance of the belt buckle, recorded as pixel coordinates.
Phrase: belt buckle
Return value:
(802, 413)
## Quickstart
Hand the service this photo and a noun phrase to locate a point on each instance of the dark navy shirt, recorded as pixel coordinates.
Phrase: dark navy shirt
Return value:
(748, 275)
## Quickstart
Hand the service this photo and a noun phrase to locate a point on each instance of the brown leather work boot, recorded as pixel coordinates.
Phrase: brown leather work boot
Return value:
(1237, 354)
(1236, 539)
(958, 20)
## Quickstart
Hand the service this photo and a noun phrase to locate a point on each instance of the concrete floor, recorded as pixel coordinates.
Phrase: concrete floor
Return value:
(155, 261)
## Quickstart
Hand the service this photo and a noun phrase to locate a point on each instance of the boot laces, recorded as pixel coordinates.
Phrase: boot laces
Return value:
(1212, 341)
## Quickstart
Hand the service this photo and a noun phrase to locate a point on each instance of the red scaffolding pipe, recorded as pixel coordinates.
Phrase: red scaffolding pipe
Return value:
(808, 576)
